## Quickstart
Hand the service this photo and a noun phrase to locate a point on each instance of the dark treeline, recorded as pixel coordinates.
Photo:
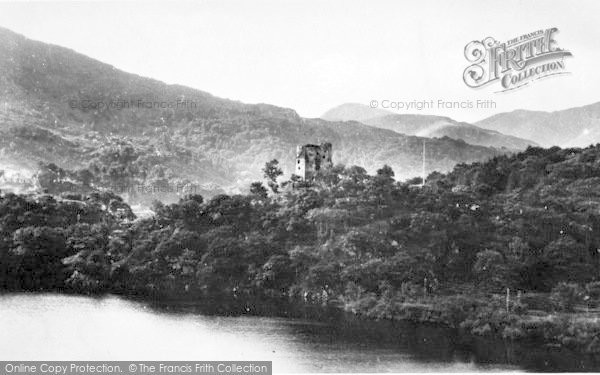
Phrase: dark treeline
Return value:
(444, 252)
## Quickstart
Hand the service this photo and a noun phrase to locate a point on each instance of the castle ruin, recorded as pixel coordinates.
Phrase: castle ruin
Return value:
(312, 158)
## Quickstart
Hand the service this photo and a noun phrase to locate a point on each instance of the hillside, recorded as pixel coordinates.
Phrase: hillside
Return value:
(51, 113)
(573, 127)
(353, 112)
(425, 126)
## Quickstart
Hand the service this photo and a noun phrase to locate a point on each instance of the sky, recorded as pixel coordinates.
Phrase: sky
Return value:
(313, 55)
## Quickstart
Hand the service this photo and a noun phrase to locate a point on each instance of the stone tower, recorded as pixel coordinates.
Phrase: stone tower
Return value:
(312, 158)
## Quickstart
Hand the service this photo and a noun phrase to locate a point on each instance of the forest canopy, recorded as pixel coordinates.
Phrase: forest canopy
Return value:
(528, 222)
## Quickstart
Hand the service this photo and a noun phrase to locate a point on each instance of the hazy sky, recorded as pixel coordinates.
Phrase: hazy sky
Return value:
(313, 55)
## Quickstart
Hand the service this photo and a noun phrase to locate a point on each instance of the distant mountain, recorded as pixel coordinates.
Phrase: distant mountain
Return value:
(573, 127)
(61, 107)
(353, 112)
(425, 126)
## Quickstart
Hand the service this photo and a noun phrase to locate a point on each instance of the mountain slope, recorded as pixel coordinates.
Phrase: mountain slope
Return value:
(51, 113)
(353, 112)
(425, 126)
(573, 127)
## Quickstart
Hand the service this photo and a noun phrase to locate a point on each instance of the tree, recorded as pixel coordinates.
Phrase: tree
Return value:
(386, 172)
(257, 188)
(570, 259)
(271, 172)
(38, 252)
(85, 177)
(277, 275)
(381, 186)
(491, 270)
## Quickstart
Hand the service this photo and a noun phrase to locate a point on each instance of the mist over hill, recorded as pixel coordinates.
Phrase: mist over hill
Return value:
(573, 127)
(61, 107)
(426, 126)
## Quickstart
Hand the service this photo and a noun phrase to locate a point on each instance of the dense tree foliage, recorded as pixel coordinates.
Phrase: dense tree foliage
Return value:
(528, 222)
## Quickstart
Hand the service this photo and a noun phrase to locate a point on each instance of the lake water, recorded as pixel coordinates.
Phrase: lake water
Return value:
(56, 327)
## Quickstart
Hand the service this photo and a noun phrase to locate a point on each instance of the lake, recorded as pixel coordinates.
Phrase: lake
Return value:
(58, 327)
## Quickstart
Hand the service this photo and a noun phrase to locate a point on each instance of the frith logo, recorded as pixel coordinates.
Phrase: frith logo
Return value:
(514, 63)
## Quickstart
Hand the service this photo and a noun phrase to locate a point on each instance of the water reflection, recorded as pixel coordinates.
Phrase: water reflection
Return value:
(56, 327)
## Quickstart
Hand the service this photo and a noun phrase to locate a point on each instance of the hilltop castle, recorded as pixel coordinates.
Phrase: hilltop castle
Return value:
(312, 158)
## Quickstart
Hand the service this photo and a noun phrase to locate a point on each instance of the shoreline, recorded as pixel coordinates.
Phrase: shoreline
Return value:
(550, 336)
(529, 354)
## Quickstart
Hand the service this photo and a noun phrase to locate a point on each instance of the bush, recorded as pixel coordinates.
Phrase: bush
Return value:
(593, 291)
(565, 296)
(513, 333)
(537, 301)
(457, 309)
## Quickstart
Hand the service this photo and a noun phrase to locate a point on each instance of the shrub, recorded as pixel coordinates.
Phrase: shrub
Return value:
(565, 296)
(457, 309)
(593, 290)
(537, 301)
